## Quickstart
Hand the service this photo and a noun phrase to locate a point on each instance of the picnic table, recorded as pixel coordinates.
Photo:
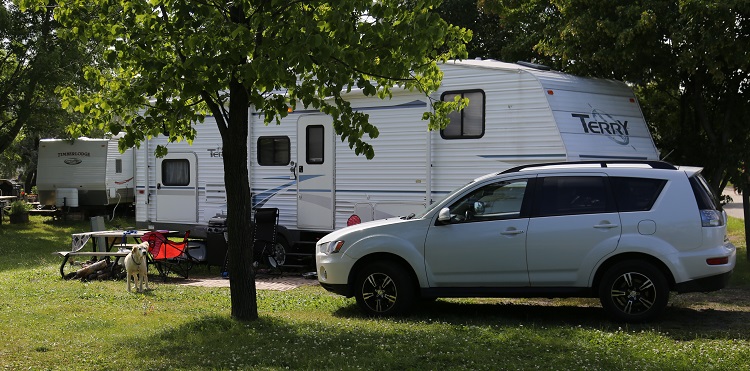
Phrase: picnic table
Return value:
(4, 201)
(112, 237)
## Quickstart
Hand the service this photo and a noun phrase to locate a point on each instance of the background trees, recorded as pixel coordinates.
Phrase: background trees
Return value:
(167, 64)
(33, 62)
(688, 61)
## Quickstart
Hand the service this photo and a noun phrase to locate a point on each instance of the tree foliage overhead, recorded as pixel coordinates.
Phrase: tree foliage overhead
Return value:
(33, 62)
(489, 36)
(689, 60)
(168, 57)
(169, 63)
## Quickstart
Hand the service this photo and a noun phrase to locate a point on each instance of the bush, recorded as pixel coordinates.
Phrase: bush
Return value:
(19, 207)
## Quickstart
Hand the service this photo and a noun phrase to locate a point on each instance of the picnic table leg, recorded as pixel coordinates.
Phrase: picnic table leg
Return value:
(65, 260)
(112, 268)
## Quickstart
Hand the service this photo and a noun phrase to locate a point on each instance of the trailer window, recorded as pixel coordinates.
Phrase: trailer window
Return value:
(315, 144)
(273, 151)
(469, 122)
(118, 166)
(175, 172)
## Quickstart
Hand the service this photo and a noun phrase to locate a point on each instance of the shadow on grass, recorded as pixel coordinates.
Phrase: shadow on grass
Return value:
(677, 322)
(442, 334)
(271, 343)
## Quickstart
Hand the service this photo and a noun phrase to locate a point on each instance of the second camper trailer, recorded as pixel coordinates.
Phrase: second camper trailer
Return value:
(84, 173)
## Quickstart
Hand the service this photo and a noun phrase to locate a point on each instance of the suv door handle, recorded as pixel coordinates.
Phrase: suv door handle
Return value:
(606, 226)
(511, 232)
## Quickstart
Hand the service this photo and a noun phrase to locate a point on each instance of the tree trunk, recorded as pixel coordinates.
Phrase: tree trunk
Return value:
(234, 142)
(746, 213)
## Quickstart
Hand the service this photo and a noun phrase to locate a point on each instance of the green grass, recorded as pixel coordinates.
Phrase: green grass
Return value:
(49, 323)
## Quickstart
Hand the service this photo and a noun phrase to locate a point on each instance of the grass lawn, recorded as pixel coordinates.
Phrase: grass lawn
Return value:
(50, 323)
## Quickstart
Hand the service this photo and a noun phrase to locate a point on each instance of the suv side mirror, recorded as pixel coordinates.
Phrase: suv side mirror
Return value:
(479, 207)
(445, 215)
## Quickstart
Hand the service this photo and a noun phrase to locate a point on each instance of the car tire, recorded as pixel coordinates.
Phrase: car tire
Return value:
(384, 289)
(634, 291)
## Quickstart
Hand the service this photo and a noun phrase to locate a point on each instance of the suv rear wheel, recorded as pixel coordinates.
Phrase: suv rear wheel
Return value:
(384, 289)
(633, 291)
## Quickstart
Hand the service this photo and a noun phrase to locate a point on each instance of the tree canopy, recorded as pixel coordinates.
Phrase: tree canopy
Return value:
(33, 62)
(169, 63)
(688, 61)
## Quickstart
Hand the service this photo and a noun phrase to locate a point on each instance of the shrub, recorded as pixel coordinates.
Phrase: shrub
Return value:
(19, 207)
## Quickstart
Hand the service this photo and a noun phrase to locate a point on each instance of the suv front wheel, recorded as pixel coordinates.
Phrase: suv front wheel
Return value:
(634, 291)
(384, 289)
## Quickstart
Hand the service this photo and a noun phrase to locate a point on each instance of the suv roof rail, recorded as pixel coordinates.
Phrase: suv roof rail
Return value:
(605, 163)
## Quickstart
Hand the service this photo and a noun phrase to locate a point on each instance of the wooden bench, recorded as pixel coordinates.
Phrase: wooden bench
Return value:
(55, 214)
(99, 254)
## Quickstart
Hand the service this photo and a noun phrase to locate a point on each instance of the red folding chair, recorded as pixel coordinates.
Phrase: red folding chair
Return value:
(169, 256)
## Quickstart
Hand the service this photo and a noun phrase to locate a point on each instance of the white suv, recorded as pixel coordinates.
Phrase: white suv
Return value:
(626, 232)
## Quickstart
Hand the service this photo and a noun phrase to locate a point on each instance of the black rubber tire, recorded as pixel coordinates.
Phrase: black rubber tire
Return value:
(277, 257)
(634, 291)
(384, 289)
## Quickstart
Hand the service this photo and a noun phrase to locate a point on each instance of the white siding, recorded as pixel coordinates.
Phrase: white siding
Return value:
(210, 173)
(394, 182)
(519, 126)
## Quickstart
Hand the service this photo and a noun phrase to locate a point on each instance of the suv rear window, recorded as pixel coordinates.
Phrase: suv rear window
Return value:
(636, 194)
(703, 195)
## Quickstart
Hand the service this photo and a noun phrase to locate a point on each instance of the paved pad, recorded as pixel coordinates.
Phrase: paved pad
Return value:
(734, 208)
(264, 282)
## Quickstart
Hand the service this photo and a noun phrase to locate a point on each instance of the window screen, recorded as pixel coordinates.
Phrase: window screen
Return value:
(175, 172)
(273, 151)
(469, 122)
(315, 144)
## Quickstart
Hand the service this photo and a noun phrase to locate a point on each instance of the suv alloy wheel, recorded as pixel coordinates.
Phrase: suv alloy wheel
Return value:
(384, 289)
(633, 291)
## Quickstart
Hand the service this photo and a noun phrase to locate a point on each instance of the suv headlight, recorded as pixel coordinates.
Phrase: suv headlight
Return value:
(332, 247)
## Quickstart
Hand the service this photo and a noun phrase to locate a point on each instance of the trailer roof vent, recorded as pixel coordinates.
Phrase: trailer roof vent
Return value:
(534, 65)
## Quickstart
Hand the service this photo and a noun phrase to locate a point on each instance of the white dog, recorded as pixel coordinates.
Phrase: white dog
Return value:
(136, 266)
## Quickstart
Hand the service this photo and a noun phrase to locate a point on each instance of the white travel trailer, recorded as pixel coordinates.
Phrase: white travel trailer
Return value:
(84, 173)
(518, 114)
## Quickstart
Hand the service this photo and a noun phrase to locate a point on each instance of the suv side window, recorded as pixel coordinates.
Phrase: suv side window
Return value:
(496, 201)
(636, 194)
(572, 195)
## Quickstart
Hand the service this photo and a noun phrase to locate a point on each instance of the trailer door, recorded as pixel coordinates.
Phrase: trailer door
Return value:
(315, 164)
(177, 187)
